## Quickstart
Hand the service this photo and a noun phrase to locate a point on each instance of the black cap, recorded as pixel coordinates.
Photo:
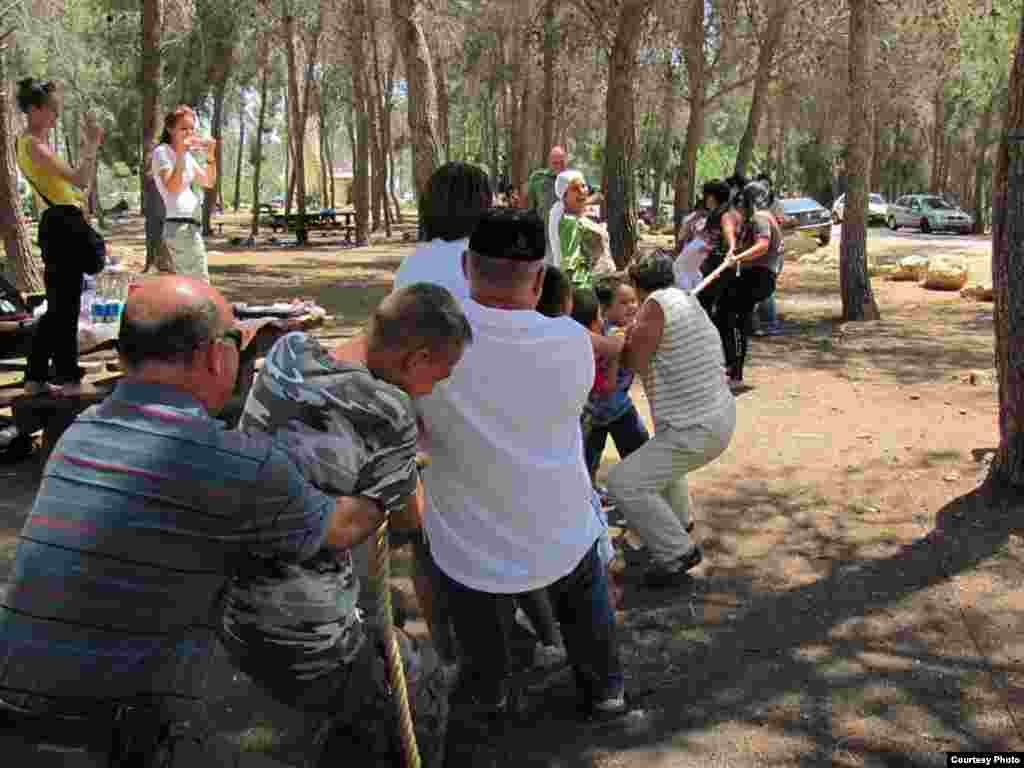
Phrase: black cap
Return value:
(510, 233)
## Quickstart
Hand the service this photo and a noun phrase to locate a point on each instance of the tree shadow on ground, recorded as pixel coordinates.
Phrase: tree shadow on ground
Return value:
(809, 646)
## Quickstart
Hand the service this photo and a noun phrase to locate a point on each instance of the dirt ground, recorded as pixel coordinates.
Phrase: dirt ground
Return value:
(858, 605)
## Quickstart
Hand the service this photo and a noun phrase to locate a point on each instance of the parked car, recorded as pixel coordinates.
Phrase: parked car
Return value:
(878, 209)
(806, 217)
(930, 213)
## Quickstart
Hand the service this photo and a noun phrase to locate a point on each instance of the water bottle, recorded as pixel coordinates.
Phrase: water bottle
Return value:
(96, 311)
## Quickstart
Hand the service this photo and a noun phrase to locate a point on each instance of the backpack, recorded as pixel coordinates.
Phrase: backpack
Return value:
(12, 306)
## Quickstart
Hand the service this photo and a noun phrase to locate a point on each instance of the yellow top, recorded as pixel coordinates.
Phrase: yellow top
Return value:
(57, 190)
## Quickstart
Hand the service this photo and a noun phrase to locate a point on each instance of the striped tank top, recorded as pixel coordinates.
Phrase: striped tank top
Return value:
(685, 383)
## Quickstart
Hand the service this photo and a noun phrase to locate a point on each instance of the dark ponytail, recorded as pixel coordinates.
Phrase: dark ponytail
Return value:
(34, 93)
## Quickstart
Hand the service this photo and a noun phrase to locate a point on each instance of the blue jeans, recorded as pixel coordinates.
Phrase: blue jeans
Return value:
(483, 621)
(628, 432)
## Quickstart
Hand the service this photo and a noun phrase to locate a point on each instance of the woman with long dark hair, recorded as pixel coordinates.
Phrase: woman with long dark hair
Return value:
(63, 233)
(174, 170)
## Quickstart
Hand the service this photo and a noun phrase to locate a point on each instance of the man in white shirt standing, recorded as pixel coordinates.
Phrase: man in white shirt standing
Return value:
(508, 502)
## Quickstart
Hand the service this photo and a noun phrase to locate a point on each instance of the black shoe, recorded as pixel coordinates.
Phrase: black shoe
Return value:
(659, 576)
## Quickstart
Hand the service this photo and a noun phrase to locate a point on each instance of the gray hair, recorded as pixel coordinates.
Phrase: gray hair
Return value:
(173, 338)
(420, 315)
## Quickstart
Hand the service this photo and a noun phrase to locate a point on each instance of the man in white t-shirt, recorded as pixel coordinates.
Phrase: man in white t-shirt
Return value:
(508, 502)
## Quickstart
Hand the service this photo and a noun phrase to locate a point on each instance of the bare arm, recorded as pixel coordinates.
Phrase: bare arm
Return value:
(353, 521)
(729, 230)
(757, 249)
(208, 176)
(644, 337)
(53, 165)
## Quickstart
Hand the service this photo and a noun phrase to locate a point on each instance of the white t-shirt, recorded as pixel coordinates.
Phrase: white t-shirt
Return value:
(438, 262)
(179, 205)
(508, 497)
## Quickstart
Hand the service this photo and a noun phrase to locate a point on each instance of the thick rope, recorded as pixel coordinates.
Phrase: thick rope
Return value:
(381, 573)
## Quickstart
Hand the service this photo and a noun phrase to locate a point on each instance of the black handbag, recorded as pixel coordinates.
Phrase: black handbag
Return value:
(91, 251)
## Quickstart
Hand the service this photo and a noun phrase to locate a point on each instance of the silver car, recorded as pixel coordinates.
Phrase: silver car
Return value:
(878, 209)
(929, 212)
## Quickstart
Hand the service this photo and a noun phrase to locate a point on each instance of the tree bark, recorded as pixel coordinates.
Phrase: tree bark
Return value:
(668, 118)
(551, 35)
(241, 150)
(151, 63)
(620, 107)
(982, 139)
(360, 99)
(775, 26)
(422, 95)
(299, 105)
(212, 196)
(21, 268)
(855, 283)
(258, 153)
(443, 105)
(1007, 471)
(938, 138)
(696, 66)
(378, 145)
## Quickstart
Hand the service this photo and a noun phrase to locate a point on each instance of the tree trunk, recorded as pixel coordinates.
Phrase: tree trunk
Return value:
(982, 139)
(151, 63)
(855, 283)
(241, 150)
(389, 151)
(875, 178)
(422, 95)
(258, 154)
(551, 35)
(1007, 471)
(443, 105)
(774, 29)
(938, 137)
(668, 115)
(212, 196)
(620, 107)
(360, 100)
(378, 134)
(21, 268)
(696, 66)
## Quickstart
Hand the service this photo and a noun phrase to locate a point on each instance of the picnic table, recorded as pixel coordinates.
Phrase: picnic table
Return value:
(326, 221)
(53, 414)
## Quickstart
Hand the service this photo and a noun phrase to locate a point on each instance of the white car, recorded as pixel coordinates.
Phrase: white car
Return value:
(878, 209)
(930, 213)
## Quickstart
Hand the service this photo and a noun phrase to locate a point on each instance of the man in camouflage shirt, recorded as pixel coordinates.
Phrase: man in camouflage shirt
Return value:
(347, 420)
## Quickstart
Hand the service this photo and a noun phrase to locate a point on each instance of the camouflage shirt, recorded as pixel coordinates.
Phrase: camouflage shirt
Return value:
(351, 434)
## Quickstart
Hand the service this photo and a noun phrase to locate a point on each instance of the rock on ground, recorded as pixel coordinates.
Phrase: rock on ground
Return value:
(946, 273)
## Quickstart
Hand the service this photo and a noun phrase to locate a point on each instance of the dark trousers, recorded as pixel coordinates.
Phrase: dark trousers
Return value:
(734, 309)
(628, 432)
(56, 336)
(483, 623)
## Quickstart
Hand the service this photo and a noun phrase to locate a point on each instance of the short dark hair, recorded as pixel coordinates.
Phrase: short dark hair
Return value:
(716, 189)
(556, 290)
(585, 306)
(34, 93)
(457, 196)
(652, 271)
(605, 287)
(173, 338)
(420, 315)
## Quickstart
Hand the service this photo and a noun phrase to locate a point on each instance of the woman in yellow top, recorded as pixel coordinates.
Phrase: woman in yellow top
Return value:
(61, 227)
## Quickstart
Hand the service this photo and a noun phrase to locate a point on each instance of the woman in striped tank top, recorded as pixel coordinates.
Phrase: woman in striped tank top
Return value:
(678, 352)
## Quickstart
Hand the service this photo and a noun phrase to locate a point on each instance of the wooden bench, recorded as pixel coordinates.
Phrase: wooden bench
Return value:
(341, 223)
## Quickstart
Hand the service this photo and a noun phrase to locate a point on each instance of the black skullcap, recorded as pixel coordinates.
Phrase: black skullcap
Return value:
(510, 233)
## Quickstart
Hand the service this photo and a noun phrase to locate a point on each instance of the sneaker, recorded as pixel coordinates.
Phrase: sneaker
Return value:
(549, 656)
(660, 576)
